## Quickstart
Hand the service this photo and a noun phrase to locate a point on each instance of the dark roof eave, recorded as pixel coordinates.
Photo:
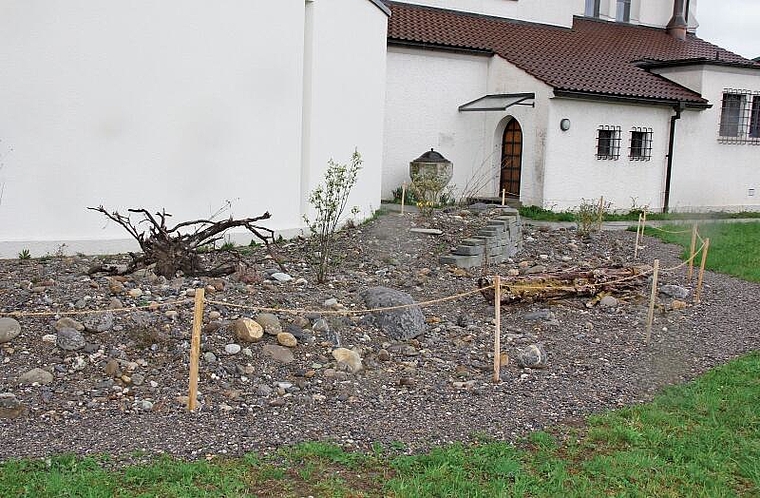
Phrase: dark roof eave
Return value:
(575, 94)
(694, 62)
(434, 46)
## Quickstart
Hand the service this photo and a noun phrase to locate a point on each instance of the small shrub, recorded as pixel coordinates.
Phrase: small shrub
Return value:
(427, 189)
(329, 200)
(589, 216)
(24, 254)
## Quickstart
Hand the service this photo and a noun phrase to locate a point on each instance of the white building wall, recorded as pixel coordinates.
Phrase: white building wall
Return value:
(505, 77)
(573, 172)
(345, 72)
(423, 93)
(709, 175)
(176, 105)
(557, 12)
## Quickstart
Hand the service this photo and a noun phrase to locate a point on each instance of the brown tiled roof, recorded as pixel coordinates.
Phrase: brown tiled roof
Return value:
(592, 57)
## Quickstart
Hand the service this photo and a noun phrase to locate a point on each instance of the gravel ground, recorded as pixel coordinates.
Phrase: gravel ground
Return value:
(122, 393)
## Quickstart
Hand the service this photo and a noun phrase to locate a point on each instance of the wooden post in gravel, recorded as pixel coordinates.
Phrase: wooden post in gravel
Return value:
(652, 299)
(403, 197)
(705, 248)
(601, 211)
(638, 234)
(497, 332)
(195, 349)
(692, 248)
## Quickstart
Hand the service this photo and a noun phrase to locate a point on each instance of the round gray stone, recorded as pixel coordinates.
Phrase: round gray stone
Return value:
(232, 349)
(534, 356)
(36, 375)
(70, 340)
(9, 329)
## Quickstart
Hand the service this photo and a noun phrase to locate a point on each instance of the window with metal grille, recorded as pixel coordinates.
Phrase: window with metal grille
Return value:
(623, 13)
(608, 142)
(641, 144)
(754, 120)
(593, 8)
(739, 117)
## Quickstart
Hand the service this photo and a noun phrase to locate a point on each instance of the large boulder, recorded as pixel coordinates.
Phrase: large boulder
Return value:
(399, 324)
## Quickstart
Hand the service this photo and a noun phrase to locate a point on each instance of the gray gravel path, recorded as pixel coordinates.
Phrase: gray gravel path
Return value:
(597, 356)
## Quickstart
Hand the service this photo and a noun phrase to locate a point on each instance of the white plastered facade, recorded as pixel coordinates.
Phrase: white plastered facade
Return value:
(180, 105)
(560, 169)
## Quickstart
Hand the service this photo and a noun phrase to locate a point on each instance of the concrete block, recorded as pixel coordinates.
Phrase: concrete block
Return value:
(473, 242)
(462, 261)
(469, 250)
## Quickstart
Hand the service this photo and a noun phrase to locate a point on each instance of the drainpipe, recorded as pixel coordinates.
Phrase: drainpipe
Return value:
(669, 170)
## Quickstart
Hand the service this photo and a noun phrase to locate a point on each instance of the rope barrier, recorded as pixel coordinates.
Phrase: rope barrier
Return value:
(697, 252)
(351, 312)
(510, 286)
(667, 231)
(153, 305)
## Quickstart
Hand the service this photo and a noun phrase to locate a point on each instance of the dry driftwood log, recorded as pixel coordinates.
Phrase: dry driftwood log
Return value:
(566, 283)
(178, 248)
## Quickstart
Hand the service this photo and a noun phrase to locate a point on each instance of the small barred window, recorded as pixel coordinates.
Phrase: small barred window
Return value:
(739, 117)
(608, 142)
(641, 144)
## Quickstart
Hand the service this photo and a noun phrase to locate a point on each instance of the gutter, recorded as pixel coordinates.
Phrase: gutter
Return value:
(435, 46)
(671, 143)
(574, 94)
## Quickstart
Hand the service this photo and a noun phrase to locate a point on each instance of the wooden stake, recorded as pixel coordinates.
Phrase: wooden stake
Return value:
(692, 248)
(403, 197)
(497, 332)
(601, 211)
(652, 299)
(638, 234)
(503, 196)
(195, 349)
(644, 220)
(705, 248)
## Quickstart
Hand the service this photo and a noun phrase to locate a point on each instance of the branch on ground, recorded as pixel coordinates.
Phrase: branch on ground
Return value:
(179, 248)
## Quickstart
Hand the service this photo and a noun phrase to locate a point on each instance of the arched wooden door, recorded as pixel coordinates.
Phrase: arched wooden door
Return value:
(511, 159)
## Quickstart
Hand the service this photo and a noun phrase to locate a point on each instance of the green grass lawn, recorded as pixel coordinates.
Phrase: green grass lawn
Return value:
(699, 439)
(734, 247)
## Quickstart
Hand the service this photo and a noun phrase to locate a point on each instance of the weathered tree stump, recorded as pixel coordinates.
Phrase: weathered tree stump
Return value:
(178, 249)
(566, 283)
